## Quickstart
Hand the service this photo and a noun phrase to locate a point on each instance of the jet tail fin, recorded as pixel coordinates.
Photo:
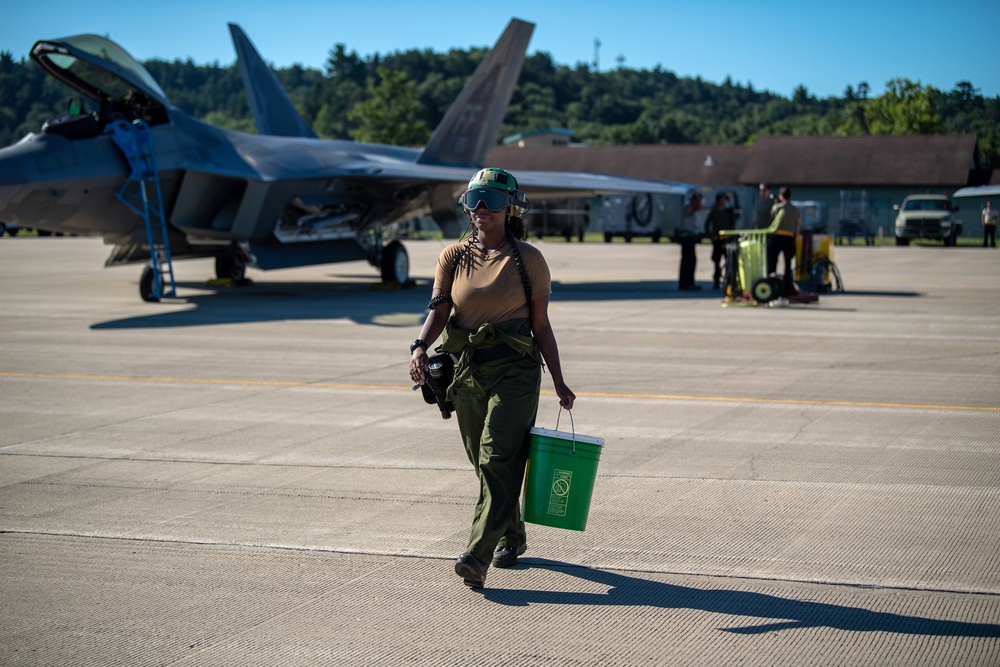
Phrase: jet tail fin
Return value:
(470, 128)
(273, 111)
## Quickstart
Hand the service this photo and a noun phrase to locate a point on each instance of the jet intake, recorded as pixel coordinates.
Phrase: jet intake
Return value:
(444, 211)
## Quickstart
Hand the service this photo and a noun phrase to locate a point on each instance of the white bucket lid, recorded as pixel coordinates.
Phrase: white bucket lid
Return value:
(566, 435)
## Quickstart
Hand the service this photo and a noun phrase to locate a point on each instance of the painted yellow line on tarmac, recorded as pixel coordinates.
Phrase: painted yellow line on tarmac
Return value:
(793, 401)
(592, 394)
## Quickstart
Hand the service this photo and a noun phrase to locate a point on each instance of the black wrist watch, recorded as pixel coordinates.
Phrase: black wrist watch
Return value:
(418, 343)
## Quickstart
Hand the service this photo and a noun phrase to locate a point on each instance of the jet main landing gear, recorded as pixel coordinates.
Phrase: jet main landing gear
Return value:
(395, 264)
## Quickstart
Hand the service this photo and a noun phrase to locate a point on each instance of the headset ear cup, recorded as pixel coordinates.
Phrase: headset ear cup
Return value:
(521, 203)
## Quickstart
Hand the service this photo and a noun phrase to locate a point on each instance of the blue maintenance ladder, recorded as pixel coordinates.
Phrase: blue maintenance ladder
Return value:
(136, 143)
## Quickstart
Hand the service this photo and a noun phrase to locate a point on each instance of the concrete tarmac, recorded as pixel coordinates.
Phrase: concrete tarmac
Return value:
(243, 475)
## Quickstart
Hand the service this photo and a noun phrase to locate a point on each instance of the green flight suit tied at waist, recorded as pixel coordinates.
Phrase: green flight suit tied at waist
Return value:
(482, 377)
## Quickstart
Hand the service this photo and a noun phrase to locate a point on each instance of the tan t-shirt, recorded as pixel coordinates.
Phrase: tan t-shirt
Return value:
(487, 287)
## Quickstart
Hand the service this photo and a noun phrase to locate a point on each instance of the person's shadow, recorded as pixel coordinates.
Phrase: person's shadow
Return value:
(637, 592)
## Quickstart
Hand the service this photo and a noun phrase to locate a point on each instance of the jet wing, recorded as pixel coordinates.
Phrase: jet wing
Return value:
(978, 191)
(567, 185)
(535, 184)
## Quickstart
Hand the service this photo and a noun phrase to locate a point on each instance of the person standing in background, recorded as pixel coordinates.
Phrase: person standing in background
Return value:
(990, 225)
(782, 241)
(687, 236)
(764, 204)
(720, 218)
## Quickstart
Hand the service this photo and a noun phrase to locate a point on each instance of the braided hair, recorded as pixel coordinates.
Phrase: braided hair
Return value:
(518, 260)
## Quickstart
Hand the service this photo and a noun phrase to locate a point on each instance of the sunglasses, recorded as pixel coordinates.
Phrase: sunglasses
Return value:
(494, 200)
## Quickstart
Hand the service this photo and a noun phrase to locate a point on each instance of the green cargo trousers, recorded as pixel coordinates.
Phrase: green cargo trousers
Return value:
(494, 424)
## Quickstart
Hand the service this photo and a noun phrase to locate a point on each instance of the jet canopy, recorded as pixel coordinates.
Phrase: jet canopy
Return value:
(103, 71)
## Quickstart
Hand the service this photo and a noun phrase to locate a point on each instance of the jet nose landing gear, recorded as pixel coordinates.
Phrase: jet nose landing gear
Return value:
(231, 267)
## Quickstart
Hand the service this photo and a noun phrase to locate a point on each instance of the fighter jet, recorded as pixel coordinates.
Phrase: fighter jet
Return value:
(276, 199)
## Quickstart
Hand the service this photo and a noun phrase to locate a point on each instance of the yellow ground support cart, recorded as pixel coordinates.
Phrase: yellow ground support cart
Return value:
(814, 267)
(747, 280)
(746, 265)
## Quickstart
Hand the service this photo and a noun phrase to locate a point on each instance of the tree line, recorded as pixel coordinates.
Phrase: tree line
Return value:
(400, 97)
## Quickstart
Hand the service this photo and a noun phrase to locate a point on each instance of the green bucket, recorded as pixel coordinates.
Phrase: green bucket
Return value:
(559, 481)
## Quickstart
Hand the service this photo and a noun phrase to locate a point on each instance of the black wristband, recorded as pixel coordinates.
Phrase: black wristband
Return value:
(418, 343)
(440, 298)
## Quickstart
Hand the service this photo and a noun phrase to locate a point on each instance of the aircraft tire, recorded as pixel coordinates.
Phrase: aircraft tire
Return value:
(229, 266)
(146, 285)
(395, 265)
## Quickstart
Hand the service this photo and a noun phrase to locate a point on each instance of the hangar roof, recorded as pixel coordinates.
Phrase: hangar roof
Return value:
(887, 161)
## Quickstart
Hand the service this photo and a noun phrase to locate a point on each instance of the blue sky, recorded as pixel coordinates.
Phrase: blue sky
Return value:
(775, 45)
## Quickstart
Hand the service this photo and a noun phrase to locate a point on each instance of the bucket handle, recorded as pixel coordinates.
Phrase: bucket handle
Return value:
(572, 425)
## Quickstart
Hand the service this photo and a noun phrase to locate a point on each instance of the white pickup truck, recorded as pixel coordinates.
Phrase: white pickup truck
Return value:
(927, 217)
